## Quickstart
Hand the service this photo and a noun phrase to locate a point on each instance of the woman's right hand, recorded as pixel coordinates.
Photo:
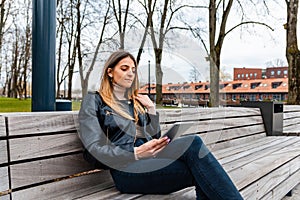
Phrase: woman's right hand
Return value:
(151, 148)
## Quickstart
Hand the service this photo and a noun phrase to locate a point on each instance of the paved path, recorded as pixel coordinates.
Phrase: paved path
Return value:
(295, 194)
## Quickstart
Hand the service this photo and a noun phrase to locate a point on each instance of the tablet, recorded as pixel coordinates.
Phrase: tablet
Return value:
(177, 129)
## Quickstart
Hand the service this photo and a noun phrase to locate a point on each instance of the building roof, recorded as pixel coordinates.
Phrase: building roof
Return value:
(279, 85)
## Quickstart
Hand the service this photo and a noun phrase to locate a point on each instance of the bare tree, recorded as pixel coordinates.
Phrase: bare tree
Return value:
(216, 38)
(66, 48)
(4, 12)
(121, 16)
(292, 52)
(80, 53)
(275, 63)
(20, 41)
(194, 74)
(159, 27)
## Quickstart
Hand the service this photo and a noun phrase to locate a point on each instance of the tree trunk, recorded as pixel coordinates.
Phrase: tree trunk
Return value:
(214, 69)
(159, 75)
(292, 53)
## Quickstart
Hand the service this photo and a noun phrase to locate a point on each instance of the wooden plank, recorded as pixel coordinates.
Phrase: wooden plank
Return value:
(235, 142)
(245, 157)
(39, 146)
(293, 108)
(294, 129)
(295, 194)
(205, 113)
(291, 121)
(227, 152)
(67, 189)
(45, 170)
(290, 115)
(4, 183)
(219, 124)
(186, 194)
(2, 126)
(34, 123)
(5, 197)
(281, 190)
(111, 193)
(264, 185)
(3, 152)
(265, 165)
(229, 134)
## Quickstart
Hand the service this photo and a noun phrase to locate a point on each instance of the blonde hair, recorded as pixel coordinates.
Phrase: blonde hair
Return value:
(106, 86)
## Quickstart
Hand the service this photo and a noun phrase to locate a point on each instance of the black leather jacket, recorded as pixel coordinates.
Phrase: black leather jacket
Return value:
(107, 137)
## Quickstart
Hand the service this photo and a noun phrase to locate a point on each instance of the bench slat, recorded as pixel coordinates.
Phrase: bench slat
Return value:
(231, 134)
(2, 126)
(264, 185)
(291, 108)
(236, 142)
(227, 152)
(3, 151)
(265, 165)
(39, 146)
(174, 115)
(67, 189)
(186, 194)
(111, 193)
(45, 170)
(4, 182)
(243, 158)
(23, 124)
(280, 191)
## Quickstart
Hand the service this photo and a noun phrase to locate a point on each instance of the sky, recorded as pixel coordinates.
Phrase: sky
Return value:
(252, 47)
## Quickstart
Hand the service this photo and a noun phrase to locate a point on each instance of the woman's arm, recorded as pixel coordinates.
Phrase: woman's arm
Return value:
(95, 140)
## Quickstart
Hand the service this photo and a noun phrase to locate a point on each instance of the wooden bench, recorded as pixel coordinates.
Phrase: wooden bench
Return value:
(40, 155)
(291, 120)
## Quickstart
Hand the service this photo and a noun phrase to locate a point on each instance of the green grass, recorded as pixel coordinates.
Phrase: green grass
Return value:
(14, 105)
(17, 105)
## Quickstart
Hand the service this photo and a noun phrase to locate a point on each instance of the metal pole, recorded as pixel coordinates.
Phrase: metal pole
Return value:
(43, 55)
(149, 88)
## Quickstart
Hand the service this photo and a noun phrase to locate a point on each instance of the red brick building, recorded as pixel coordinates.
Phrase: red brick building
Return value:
(247, 73)
(259, 73)
(277, 72)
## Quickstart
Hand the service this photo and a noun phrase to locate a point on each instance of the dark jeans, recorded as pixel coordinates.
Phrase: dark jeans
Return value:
(184, 162)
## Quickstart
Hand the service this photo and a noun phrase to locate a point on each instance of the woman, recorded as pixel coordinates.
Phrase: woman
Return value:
(120, 131)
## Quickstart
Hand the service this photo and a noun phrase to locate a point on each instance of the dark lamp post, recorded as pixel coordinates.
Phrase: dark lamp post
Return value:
(149, 88)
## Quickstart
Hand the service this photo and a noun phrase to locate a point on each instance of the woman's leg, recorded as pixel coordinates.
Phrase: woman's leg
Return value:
(168, 179)
(206, 170)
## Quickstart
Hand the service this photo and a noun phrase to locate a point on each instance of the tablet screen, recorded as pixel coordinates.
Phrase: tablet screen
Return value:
(177, 129)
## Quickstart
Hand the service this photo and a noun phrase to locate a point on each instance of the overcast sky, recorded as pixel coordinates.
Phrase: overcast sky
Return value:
(256, 46)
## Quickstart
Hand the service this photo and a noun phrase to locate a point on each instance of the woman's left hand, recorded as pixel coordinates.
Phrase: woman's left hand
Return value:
(145, 101)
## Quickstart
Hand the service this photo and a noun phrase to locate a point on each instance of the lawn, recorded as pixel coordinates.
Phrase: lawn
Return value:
(17, 105)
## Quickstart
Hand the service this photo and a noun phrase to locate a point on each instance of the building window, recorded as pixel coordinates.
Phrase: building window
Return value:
(237, 85)
(285, 72)
(242, 75)
(252, 97)
(255, 75)
(276, 97)
(251, 75)
(276, 84)
(272, 73)
(246, 75)
(278, 72)
(238, 75)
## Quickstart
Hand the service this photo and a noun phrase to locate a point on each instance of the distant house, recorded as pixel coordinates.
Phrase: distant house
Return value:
(255, 88)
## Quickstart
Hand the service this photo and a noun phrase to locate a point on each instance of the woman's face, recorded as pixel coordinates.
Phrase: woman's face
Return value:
(123, 73)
